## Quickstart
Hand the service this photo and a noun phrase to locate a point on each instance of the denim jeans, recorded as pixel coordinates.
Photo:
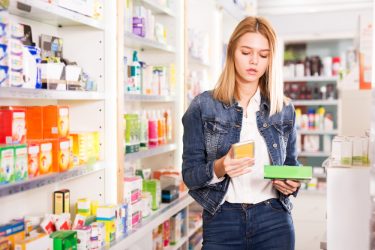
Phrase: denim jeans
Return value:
(263, 226)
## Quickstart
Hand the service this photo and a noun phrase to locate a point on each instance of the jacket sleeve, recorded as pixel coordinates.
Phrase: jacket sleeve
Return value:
(197, 172)
(291, 148)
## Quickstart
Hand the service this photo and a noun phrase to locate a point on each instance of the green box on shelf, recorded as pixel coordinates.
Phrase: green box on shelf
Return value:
(132, 133)
(20, 162)
(6, 164)
(288, 172)
(153, 186)
(64, 240)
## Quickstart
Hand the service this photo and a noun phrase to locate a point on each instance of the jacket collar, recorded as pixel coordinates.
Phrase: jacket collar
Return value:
(264, 103)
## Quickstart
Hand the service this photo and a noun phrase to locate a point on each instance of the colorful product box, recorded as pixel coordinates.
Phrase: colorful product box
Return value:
(61, 155)
(20, 163)
(83, 237)
(4, 242)
(64, 240)
(134, 214)
(61, 201)
(12, 126)
(83, 207)
(97, 234)
(106, 212)
(6, 164)
(33, 155)
(132, 189)
(41, 242)
(288, 172)
(153, 186)
(85, 147)
(34, 124)
(132, 133)
(110, 229)
(55, 122)
(45, 157)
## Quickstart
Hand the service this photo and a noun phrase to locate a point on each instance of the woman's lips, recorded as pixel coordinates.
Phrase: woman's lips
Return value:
(251, 71)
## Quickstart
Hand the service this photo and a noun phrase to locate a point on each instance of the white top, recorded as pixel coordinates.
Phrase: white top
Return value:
(251, 187)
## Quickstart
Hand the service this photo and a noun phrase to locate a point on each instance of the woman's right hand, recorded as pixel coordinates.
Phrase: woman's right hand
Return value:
(233, 167)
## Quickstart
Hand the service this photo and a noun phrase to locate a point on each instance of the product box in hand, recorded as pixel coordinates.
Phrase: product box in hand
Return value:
(243, 149)
(12, 126)
(288, 172)
(64, 240)
(20, 162)
(6, 164)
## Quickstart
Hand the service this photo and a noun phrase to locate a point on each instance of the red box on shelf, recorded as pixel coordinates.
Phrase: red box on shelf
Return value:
(61, 155)
(12, 125)
(34, 123)
(33, 155)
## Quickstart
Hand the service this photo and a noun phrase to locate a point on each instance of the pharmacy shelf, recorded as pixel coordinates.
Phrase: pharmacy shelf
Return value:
(148, 98)
(144, 153)
(312, 79)
(315, 102)
(314, 154)
(232, 9)
(198, 61)
(184, 239)
(140, 43)
(21, 93)
(152, 221)
(53, 14)
(317, 132)
(156, 8)
(37, 182)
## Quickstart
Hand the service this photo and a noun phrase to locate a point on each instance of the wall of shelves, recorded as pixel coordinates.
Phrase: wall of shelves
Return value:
(94, 106)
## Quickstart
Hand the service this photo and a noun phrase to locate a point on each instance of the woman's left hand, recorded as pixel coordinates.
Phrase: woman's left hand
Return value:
(286, 187)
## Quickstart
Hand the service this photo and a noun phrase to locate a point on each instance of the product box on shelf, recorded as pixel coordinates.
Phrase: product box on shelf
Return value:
(16, 55)
(6, 164)
(20, 162)
(55, 122)
(134, 214)
(64, 240)
(153, 186)
(97, 235)
(166, 232)
(157, 237)
(61, 154)
(33, 156)
(31, 69)
(110, 229)
(12, 125)
(176, 224)
(107, 215)
(51, 74)
(132, 189)
(132, 133)
(34, 124)
(83, 207)
(169, 194)
(83, 237)
(40, 241)
(45, 157)
(61, 201)
(85, 148)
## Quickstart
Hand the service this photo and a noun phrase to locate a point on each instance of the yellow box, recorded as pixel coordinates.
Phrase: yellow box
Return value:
(40, 242)
(243, 149)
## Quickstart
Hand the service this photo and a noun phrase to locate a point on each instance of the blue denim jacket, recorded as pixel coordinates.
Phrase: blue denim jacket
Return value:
(211, 127)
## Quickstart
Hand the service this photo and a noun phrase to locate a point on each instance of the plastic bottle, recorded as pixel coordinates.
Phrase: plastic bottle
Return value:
(311, 117)
(144, 129)
(135, 72)
(298, 118)
(161, 127)
(152, 129)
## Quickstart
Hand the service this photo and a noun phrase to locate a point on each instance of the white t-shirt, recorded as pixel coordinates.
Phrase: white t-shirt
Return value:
(251, 187)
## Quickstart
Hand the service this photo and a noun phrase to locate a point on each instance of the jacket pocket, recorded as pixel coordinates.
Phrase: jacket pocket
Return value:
(214, 133)
(283, 127)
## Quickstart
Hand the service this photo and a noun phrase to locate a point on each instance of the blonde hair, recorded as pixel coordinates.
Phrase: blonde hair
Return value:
(271, 83)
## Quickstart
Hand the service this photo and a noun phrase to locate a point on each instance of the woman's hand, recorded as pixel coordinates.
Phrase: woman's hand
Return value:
(286, 187)
(232, 167)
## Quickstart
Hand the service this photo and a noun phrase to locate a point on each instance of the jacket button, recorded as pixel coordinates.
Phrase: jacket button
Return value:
(265, 125)
(274, 145)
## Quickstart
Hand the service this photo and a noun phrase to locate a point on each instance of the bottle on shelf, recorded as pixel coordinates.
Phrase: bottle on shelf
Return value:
(135, 73)
(144, 130)
(152, 129)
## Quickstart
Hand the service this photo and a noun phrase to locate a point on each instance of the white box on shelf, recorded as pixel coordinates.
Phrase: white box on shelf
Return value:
(85, 7)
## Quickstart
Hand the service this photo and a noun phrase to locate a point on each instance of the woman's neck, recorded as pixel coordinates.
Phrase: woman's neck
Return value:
(246, 92)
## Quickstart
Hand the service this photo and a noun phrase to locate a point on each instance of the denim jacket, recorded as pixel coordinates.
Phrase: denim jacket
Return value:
(211, 127)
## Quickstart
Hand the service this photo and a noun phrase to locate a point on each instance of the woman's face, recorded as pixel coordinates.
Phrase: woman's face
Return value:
(251, 57)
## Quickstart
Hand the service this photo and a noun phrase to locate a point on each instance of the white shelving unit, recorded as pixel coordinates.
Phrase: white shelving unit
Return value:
(312, 79)
(150, 152)
(315, 102)
(157, 9)
(140, 43)
(33, 197)
(148, 98)
(317, 132)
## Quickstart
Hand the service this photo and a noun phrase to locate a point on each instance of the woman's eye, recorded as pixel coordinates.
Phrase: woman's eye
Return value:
(263, 55)
(245, 53)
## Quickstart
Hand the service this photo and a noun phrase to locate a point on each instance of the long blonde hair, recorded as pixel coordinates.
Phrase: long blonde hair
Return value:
(271, 83)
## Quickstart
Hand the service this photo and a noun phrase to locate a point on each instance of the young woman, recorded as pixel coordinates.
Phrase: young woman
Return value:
(242, 210)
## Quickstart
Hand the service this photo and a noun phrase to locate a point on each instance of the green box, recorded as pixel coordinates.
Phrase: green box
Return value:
(288, 172)
(153, 186)
(64, 240)
(20, 162)
(132, 133)
(6, 164)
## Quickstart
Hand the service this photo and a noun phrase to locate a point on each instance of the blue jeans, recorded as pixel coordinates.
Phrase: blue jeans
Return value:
(262, 226)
